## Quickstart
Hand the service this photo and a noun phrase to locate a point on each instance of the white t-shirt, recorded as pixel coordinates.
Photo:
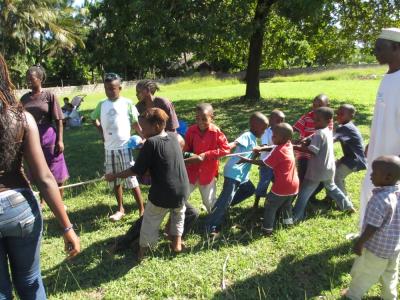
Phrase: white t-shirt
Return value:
(116, 118)
(266, 139)
(385, 130)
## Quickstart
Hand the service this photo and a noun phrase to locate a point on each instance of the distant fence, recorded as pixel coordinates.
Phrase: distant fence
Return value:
(98, 87)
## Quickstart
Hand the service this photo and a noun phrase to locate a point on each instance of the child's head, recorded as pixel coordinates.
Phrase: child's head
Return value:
(321, 100)
(345, 113)
(204, 115)
(145, 89)
(322, 117)
(112, 85)
(258, 123)
(385, 170)
(282, 133)
(276, 117)
(153, 121)
(66, 100)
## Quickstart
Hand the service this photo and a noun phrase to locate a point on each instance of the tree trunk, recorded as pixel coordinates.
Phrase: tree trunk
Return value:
(255, 49)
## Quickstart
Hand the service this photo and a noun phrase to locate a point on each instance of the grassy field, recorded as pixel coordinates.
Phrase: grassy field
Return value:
(309, 261)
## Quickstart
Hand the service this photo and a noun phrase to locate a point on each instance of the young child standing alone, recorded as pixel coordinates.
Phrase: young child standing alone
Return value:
(208, 143)
(349, 136)
(265, 173)
(237, 186)
(114, 118)
(378, 247)
(321, 166)
(161, 155)
(286, 182)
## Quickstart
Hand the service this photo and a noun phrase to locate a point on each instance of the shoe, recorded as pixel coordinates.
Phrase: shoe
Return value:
(267, 231)
(351, 210)
(117, 216)
(214, 233)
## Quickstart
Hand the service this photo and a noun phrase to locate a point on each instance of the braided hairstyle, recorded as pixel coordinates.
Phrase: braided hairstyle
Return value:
(11, 112)
(151, 85)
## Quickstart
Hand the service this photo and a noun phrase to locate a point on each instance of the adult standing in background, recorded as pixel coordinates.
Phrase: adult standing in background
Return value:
(145, 90)
(385, 128)
(20, 217)
(46, 110)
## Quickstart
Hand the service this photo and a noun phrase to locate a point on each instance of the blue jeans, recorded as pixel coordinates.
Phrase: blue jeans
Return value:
(307, 189)
(266, 174)
(233, 192)
(20, 234)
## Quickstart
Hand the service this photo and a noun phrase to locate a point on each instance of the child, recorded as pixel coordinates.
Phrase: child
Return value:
(321, 166)
(114, 117)
(207, 143)
(237, 185)
(349, 136)
(286, 182)
(305, 127)
(145, 90)
(379, 244)
(162, 156)
(265, 173)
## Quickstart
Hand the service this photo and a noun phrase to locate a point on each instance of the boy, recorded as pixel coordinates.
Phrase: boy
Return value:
(208, 143)
(321, 166)
(265, 173)
(162, 157)
(286, 182)
(114, 118)
(350, 139)
(237, 185)
(378, 247)
(305, 127)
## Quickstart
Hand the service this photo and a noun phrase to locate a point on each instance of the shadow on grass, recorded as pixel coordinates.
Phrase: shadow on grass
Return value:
(94, 266)
(306, 278)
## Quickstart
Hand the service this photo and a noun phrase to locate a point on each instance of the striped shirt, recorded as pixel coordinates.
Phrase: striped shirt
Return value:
(306, 127)
(383, 212)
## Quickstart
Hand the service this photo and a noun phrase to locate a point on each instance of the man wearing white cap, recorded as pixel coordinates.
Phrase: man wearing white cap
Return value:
(384, 140)
(385, 128)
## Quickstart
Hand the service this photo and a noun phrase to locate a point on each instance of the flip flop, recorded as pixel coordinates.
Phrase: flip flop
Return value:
(117, 216)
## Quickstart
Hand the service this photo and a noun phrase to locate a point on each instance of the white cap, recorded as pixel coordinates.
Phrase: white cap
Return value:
(391, 34)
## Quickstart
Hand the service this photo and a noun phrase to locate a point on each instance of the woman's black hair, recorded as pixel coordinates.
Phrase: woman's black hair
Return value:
(39, 70)
(11, 112)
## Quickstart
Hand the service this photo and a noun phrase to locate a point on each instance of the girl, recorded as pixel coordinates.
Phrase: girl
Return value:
(20, 217)
(145, 90)
(46, 111)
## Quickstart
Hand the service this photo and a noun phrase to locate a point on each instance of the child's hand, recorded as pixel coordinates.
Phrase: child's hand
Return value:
(357, 248)
(242, 160)
(257, 149)
(196, 158)
(109, 177)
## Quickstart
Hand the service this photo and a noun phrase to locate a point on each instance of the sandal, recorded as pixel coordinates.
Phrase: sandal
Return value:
(117, 216)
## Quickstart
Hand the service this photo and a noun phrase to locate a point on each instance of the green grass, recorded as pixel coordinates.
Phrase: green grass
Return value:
(310, 260)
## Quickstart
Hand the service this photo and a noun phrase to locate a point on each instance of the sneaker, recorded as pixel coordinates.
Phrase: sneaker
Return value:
(267, 231)
(117, 216)
(214, 233)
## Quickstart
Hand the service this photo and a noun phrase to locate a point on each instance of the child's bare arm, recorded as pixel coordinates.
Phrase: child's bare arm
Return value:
(123, 174)
(365, 236)
(233, 145)
(99, 128)
(303, 148)
(250, 161)
(262, 148)
(138, 129)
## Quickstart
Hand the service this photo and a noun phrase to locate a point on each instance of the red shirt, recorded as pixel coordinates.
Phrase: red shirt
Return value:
(282, 163)
(306, 127)
(213, 144)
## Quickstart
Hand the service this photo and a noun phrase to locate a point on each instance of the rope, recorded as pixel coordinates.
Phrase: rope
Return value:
(77, 184)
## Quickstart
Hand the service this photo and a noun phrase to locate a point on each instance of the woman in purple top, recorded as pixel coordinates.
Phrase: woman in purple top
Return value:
(48, 115)
(145, 90)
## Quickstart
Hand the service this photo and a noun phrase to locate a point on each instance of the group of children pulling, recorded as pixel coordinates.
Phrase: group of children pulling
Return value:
(297, 169)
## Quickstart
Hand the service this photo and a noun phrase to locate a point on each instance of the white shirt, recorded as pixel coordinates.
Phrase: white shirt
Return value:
(385, 130)
(116, 118)
(266, 139)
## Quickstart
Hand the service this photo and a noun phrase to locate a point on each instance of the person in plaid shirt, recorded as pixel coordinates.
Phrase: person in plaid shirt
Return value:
(378, 247)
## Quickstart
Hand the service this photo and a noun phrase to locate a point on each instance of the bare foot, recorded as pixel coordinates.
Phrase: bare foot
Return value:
(344, 292)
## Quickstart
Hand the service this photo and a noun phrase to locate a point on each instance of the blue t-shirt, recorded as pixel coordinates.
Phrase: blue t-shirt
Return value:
(246, 142)
(352, 145)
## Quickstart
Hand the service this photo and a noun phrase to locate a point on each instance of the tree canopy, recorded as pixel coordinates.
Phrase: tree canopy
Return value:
(161, 38)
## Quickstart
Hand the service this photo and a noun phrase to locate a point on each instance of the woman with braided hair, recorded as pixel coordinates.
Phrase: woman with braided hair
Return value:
(47, 112)
(20, 217)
